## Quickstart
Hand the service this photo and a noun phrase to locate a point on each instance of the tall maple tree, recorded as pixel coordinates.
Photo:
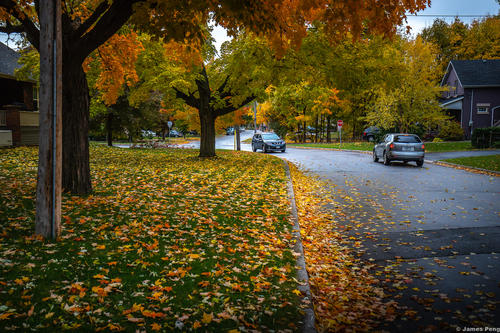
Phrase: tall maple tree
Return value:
(87, 24)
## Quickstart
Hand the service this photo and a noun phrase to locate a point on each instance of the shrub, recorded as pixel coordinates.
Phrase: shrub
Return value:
(451, 130)
(486, 137)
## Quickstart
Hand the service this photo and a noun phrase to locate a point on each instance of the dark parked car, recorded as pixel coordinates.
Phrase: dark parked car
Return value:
(268, 142)
(230, 131)
(400, 147)
(370, 133)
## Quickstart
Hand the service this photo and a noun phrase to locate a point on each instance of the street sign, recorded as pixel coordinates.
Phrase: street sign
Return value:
(169, 123)
(339, 129)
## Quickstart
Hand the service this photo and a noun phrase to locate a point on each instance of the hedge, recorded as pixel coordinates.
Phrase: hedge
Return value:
(488, 137)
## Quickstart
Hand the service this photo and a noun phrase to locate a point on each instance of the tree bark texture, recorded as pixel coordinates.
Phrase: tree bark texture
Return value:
(109, 128)
(207, 139)
(76, 165)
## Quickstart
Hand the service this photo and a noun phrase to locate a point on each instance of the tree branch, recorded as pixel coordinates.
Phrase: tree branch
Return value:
(12, 29)
(31, 30)
(98, 12)
(189, 99)
(231, 108)
(223, 85)
(106, 26)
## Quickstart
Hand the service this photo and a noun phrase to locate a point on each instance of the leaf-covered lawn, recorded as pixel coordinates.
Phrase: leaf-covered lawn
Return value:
(490, 162)
(167, 241)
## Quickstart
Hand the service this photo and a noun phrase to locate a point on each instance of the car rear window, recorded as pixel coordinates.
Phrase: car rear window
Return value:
(407, 139)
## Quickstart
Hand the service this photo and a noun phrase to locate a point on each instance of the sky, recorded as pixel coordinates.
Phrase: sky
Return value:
(438, 7)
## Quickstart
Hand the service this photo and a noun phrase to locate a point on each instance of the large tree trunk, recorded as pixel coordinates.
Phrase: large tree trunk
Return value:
(76, 168)
(109, 128)
(328, 136)
(207, 140)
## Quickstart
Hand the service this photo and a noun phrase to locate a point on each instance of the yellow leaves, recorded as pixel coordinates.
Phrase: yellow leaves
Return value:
(22, 280)
(102, 292)
(193, 256)
(6, 315)
(297, 292)
(207, 318)
(156, 327)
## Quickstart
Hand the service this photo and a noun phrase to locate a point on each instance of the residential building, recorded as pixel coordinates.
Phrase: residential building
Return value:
(18, 103)
(473, 95)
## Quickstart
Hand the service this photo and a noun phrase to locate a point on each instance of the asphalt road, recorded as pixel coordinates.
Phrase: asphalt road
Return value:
(433, 232)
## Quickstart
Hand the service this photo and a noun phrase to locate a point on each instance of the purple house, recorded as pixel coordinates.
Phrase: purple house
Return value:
(473, 95)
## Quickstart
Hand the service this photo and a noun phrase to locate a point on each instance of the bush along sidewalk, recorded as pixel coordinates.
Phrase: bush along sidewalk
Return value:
(486, 137)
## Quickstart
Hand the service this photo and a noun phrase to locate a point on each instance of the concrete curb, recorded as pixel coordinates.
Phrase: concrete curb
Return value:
(308, 322)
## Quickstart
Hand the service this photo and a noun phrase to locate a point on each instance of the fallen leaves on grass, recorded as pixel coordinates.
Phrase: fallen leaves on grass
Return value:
(167, 240)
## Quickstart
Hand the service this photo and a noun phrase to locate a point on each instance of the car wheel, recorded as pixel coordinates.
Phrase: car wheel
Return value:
(375, 157)
(371, 138)
(264, 150)
(253, 148)
(283, 150)
(420, 163)
(387, 161)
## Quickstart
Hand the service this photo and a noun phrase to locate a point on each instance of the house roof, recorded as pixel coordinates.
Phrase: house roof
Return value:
(8, 61)
(475, 73)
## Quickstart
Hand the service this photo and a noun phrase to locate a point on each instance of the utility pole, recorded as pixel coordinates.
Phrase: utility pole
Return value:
(48, 191)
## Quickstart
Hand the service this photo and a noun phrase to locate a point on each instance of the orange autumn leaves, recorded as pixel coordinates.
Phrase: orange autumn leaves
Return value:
(116, 61)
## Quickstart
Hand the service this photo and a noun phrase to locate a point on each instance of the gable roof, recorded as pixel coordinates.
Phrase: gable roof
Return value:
(475, 73)
(8, 61)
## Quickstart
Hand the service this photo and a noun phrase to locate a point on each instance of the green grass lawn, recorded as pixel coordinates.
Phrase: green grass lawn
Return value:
(166, 241)
(490, 162)
(430, 147)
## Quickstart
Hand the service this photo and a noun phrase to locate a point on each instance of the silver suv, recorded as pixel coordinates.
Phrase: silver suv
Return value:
(400, 147)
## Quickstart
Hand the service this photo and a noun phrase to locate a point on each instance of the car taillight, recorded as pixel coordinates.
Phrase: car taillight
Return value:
(423, 147)
(364, 133)
(391, 146)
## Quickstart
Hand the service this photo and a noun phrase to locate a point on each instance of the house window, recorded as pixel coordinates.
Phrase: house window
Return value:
(482, 110)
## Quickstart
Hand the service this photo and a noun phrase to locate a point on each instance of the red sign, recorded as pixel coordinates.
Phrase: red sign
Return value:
(340, 123)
